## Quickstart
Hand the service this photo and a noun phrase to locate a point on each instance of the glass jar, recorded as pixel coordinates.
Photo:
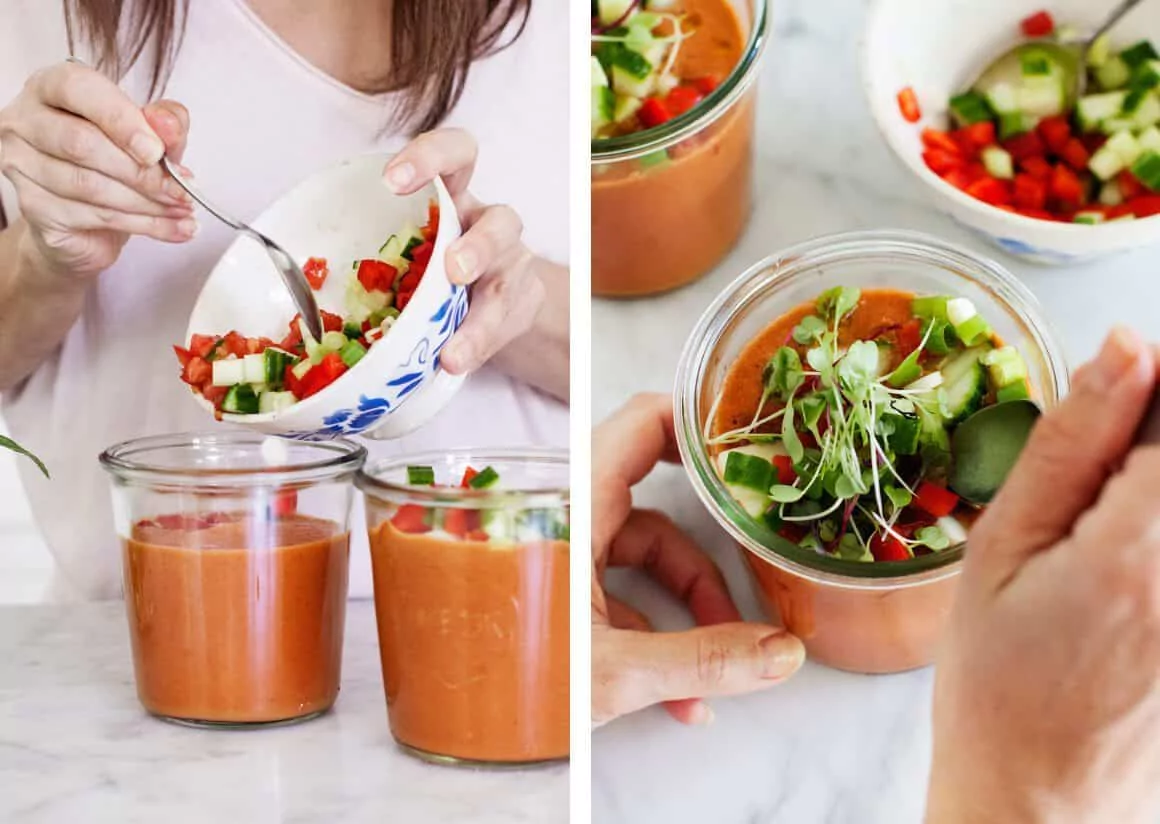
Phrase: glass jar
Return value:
(864, 617)
(235, 557)
(669, 203)
(471, 598)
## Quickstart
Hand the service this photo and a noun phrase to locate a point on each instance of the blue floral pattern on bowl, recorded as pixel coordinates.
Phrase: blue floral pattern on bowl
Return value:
(421, 364)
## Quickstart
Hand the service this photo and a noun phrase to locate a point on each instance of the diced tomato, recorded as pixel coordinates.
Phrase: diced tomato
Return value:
(234, 344)
(1066, 186)
(1094, 141)
(461, 521)
(792, 532)
(681, 99)
(432, 228)
(1028, 192)
(468, 474)
(214, 394)
(411, 518)
(477, 535)
(285, 503)
(1040, 24)
(909, 337)
(202, 345)
(959, 178)
(1120, 210)
(402, 299)
(908, 105)
(991, 190)
(935, 139)
(409, 282)
(786, 474)
(197, 371)
(331, 322)
(1036, 166)
(1038, 214)
(1055, 132)
(1075, 154)
(376, 275)
(421, 255)
(316, 271)
(940, 162)
(1145, 205)
(653, 112)
(1024, 145)
(935, 500)
(294, 336)
(705, 85)
(981, 134)
(291, 382)
(1130, 185)
(321, 375)
(183, 356)
(888, 548)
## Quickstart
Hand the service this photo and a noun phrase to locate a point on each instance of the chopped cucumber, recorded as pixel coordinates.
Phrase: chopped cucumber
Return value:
(998, 162)
(333, 341)
(301, 368)
(1043, 99)
(1088, 218)
(354, 331)
(970, 107)
(352, 352)
(1117, 124)
(967, 322)
(1124, 145)
(274, 366)
(1106, 163)
(1013, 392)
(1005, 366)
(254, 368)
(625, 108)
(229, 371)
(241, 400)
(1111, 194)
(1002, 98)
(965, 384)
(269, 402)
(1114, 74)
(1147, 169)
(1138, 54)
(599, 78)
(1093, 109)
(1149, 139)
(499, 524)
(1147, 75)
(748, 471)
(484, 479)
(1100, 51)
(1015, 123)
(625, 83)
(610, 11)
(393, 248)
(751, 500)
(1147, 112)
(603, 107)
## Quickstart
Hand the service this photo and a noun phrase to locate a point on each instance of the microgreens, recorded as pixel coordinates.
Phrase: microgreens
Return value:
(11, 445)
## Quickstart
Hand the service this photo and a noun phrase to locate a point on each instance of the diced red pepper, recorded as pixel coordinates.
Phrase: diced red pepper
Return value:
(1024, 145)
(411, 518)
(991, 190)
(959, 178)
(316, 271)
(285, 503)
(681, 99)
(1040, 24)
(1145, 205)
(935, 500)
(461, 522)
(197, 371)
(935, 139)
(468, 474)
(376, 275)
(1130, 185)
(477, 535)
(1036, 166)
(1120, 210)
(981, 134)
(1075, 154)
(432, 228)
(322, 375)
(908, 105)
(705, 85)
(1028, 192)
(940, 162)
(1066, 186)
(652, 113)
(1055, 132)
(421, 256)
(183, 356)
(331, 322)
(786, 474)
(888, 548)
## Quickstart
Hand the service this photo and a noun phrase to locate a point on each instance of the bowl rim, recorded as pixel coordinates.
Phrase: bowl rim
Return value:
(316, 402)
(722, 312)
(1124, 232)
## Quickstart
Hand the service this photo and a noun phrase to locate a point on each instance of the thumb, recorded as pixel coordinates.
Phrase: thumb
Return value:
(1072, 451)
(639, 669)
(170, 120)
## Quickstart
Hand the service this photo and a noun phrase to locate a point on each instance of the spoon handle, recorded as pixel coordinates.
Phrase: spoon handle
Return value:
(1120, 11)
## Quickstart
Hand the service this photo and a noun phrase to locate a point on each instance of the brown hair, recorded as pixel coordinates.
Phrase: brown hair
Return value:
(433, 44)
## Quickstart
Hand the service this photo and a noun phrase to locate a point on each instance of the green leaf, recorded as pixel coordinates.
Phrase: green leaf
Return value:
(783, 374)
(898, 496)
(933, 537)
(836, 303)
(811, 541)
(859, 367)
(811, 409)
(789, 436)
(786, 494)
(852, 549)
(848, 487)
(10, 444)
(907, 372)
(810, 329)
(821, 357)
(827, 530)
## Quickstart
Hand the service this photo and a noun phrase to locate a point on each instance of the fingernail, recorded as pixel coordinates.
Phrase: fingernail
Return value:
(147, 148)
(188, 228)
(174, 190)
(466, 263)
(1121, 350)
(782, 655)
(178, 212)
(459, 352)
(702, 714)
(400, 176)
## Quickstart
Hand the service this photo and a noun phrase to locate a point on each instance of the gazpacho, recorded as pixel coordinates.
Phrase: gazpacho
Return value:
(471, 598)
(667, 206)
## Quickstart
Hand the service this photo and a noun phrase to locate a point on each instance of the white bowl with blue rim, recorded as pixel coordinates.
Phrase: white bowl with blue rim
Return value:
(937, 47)
(343, 214)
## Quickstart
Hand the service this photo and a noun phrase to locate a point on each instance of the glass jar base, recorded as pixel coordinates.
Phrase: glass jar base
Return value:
(473, 764)
(240, 725)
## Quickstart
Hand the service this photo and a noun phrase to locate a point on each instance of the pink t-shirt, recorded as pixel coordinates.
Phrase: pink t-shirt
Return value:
(262, 119)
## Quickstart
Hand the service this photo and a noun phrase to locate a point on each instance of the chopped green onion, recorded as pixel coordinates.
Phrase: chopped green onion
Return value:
(485, 478)
(934, 306)
(421, 475)
(352, 352)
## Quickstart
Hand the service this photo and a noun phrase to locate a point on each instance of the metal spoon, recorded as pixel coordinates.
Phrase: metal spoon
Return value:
(1082, 44)
(292, 276)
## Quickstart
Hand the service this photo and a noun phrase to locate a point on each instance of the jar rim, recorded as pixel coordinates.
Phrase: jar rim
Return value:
(751, 285)
(719, 101)
(127, 460)
(372, 483)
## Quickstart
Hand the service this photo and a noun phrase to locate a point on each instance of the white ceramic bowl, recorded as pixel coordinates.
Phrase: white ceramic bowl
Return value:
(938, 46)
(344, 213)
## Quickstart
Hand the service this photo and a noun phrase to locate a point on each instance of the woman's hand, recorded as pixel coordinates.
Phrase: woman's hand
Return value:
(1047, 694)
(632, 667)
(508, 281)
(84, 161)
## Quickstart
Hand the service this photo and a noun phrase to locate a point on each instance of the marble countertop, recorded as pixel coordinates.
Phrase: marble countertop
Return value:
(827, 746)
(75, 746)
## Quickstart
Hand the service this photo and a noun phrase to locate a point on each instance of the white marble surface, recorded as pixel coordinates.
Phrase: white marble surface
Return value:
(75, 746)
(828, 746)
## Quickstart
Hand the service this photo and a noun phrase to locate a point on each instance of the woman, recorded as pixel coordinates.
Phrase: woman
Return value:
(1046, 700)
(101, 259)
